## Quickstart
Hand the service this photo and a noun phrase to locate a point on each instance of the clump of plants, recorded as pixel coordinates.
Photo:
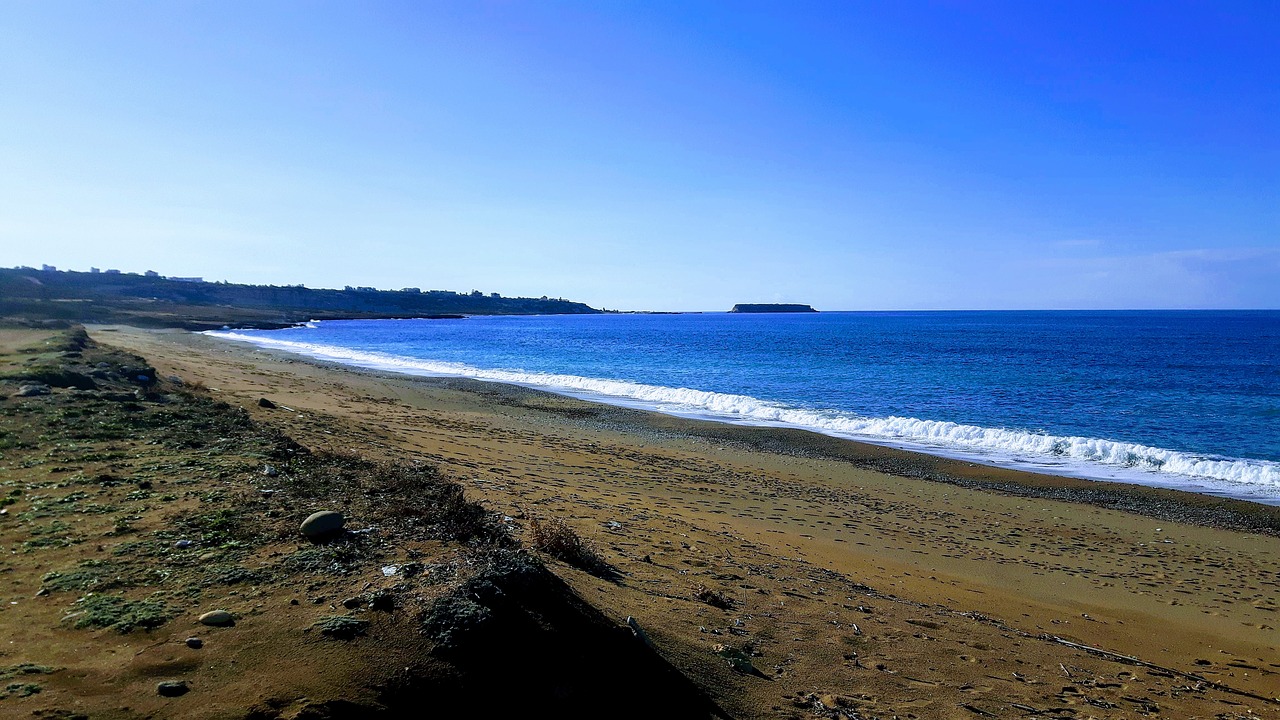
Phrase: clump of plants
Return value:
(555, 538)
(89, 575)
(19, 690)
(119, 613)
(21, 669)
(712, 597)
(452, 618)
(341, 627)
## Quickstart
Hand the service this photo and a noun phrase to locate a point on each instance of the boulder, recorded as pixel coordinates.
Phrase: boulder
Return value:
(323, 524)
(33, 389)
(217, 618)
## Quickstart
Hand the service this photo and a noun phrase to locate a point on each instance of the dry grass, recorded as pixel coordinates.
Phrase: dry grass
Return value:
(714, 598)
(555, 538)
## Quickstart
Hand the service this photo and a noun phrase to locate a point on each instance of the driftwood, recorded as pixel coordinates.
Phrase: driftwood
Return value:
(1130, 660)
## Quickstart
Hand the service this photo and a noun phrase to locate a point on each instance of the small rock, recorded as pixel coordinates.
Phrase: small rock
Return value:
(294, 601)
(270, 470)
(183, 544)
(265, 403)
(174, 379)
(323, 524)
(217, 618)
(172, 688)
(352, 603)
(195, 643)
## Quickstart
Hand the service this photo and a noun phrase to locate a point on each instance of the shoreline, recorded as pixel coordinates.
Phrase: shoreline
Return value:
(951, 571)
(1153, 500)
(1094, 458)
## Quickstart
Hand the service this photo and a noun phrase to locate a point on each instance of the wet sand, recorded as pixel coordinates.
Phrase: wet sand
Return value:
(863, 579)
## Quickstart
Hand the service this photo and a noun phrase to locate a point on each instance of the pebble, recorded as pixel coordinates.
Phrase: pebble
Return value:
(217, 617)
(172, 688)
(183, 544)
(322, 524)
(195, 643)
(270, 470)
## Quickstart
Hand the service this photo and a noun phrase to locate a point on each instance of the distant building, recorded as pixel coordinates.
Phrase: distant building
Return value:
(151, 273)
(112, 271)
(48, 268)
(411, 290)
(94, 270)
(186, 279)
(495, 296)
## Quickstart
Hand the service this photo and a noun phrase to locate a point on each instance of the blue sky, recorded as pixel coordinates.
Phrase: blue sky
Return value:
(655, 155)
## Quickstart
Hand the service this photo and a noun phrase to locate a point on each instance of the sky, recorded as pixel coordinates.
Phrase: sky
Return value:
(656, 155)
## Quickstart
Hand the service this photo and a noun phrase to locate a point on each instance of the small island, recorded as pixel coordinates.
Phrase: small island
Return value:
(772, 308)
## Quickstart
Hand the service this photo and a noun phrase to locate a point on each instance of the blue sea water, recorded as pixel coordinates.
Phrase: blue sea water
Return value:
(1167, 398)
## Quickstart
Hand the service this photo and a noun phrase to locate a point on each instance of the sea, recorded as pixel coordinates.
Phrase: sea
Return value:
(1179, 399)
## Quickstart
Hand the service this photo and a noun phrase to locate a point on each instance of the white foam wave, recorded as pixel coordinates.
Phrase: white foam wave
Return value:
(1027, 448)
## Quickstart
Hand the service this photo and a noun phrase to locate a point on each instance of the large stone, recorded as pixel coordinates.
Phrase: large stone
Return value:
(172, 688)
(217, 618)
(32, 389)
(323, 524)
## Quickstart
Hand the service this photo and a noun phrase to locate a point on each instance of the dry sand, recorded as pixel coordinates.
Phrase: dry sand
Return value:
(858, 592)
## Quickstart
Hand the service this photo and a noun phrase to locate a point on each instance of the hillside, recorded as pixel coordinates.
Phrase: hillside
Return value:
(162, 302)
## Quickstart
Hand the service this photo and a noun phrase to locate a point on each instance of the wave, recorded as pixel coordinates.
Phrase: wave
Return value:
(941, 437)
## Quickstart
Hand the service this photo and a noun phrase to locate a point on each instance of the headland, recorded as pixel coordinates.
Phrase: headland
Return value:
(772, 308)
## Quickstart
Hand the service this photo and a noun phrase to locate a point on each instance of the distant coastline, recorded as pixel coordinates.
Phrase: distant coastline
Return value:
(772, 308)
(151, 300)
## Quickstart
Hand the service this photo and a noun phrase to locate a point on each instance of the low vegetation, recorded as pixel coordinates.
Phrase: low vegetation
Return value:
(555, 538)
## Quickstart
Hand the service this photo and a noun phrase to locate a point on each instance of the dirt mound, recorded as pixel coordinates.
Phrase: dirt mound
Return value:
(137, 505)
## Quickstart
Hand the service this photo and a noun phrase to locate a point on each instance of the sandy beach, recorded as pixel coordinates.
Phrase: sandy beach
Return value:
(965, 581)
(859, 581)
